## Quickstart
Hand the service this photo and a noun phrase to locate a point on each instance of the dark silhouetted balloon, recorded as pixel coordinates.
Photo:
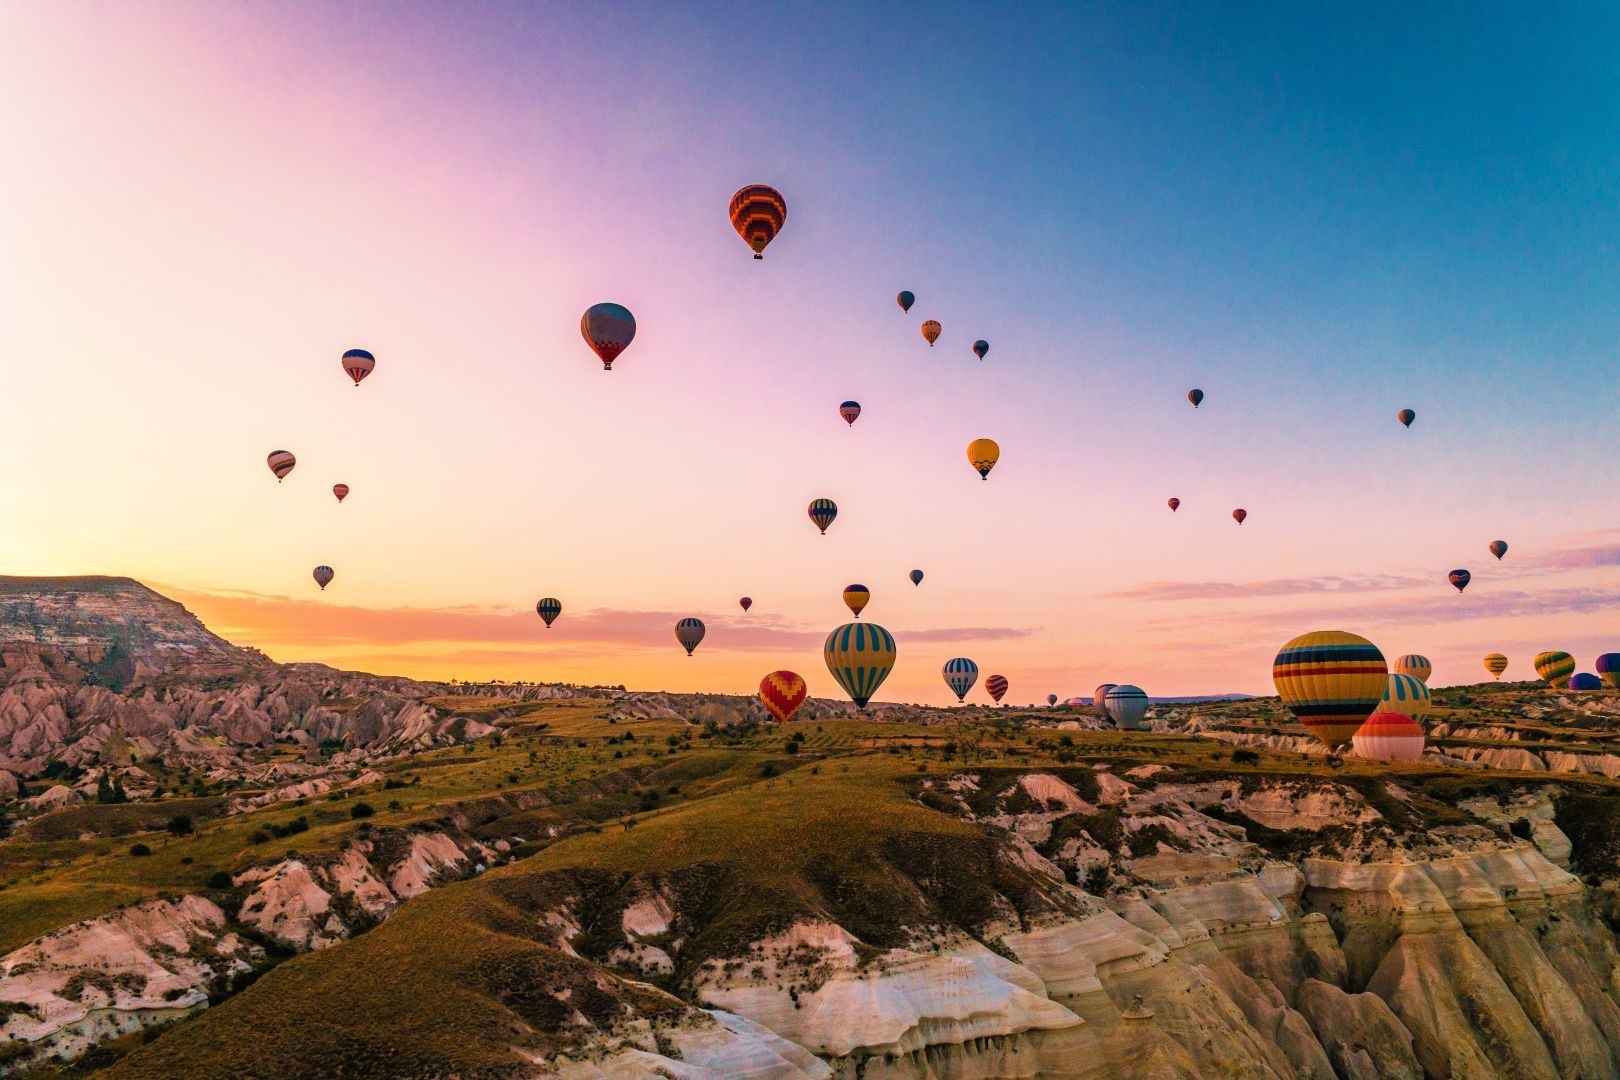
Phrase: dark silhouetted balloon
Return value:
(548, 608)
(906, 299)
(1499, 548)
(916, 577)
(1196, 396)
(981, 347)
(1460, 579)
(1174, 504)
(746, 602)
(1239, 515)
(850, 410)
(1406, 416)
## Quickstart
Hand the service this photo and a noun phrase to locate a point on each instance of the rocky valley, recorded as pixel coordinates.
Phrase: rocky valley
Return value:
(219, 866)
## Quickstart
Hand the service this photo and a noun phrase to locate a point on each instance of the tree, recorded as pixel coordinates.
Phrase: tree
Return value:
(180, 825)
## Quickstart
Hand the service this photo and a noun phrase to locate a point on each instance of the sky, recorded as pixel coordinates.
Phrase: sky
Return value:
(1318, 217)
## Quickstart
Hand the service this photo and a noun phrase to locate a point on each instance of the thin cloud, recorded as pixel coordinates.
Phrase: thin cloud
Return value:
(1224, 590)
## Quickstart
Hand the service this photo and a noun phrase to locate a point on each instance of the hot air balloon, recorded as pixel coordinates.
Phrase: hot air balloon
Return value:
(608, 329)
(822, 512)
(997, 686)
(981, 347)
(1196, 396)
(960, 675)
(1555, 667)
(1100, 695)
(1239, 514)
(323, 576)
(782, 692)
(689, 632)
(357, 364)
(1496, 663)
(1126, 706)
(1387, 736)
(1608, 666)
(281, 463)
(341, 491)
(905, 299)
(982, 455)
(548, 608)
(1051, 699)
(758, 213)
(1460, 579)
(746, 602)
(1174, 504)
(916, 577)
(849, 410)
(1407, 695)
(1499, 548)
(1330, 680)
(860, 656)
(1414, 665)
(1585, 680)
(1406, 416)
(930, 331)
(856, 597)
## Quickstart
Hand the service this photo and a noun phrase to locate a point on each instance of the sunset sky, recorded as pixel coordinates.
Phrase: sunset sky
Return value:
(1319, 218)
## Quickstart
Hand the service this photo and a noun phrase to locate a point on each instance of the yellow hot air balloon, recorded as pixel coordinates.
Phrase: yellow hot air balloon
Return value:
(1407, 695)
(1555, 667)
(1496, 663)
(1331, 680)
(1413, 664)
(983, 455)
(930, 331)
(860, 656)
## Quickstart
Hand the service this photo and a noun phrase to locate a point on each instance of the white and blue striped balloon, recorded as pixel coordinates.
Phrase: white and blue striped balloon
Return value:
(960, 675)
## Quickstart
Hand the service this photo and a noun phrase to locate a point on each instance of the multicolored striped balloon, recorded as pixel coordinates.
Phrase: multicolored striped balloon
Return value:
(960, 675)
(548, 608)
(850, 411)
(1459, 579)
(860, 656)
(997, 685)
(1406, 416)
(1099, 696)
(1407, 695)
(931, 330)
(689, 632)
(323, 576)
(1585, 680)
(1389, 736)
(1126, 706)
(1414, 665)
(916, 577)
(281, 463)
(745, 602)
(1496, 663)
(822, 512)
(1196, 396)
(1555, 667)
(905, 299)
(758, 213)
(1330, 680)
(983, 454)
(1499, 548)
(357, 364)
(856, 597)
(341, 491)
(980, 348)
(782, 692)
(1608, 666)
(608, 329)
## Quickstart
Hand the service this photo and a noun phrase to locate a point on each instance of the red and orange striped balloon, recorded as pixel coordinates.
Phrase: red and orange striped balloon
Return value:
(997, 685)
(782, 692)
(758, 213)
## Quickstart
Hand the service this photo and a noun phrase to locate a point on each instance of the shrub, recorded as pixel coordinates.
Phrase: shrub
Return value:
(1245, 757)
(219, 879)
(258, 836)
(180, 825)
(361, 810)
(768, 769)
(791, 747)
(139, 850)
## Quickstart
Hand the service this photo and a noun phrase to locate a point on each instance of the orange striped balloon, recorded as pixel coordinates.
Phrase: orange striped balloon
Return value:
(758, 214)
(997, 685)
(281, 463)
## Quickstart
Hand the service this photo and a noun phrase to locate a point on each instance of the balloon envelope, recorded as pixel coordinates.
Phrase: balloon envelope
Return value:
(1126, 706)
(849, 410)
(341, 491)
(1100, 695)
(1608, 666)
(281, 462)
(357, 364)
(1051, 699)
(981, 347)
(1585, 680)
(916, 577)
(758, 213)
(860, 656)
(608, 329)
(1499, 548)
(822, 512)
(983, 454)
(1389, 737)
(856, 597)
(905, 299)
(1496, 663)
(689, 632)
(930, 331)
(1555, 667)
(548, 608)
(996, 685)
(960, 675)
(746, 602)
(1330, 680)
(1239, 515)
(782, 692)
(1174, 504)
(1407, 695)
(1195, 396)
(1460, 579)
(323, 576)
(1406, 416)
(1414, 665)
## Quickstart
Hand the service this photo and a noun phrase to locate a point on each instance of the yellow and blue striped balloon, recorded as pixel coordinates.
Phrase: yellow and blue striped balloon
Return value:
(1414, 665)
(860, 656)
(1407, 695)
(856, 597)
(1330, 680)
(822, 512)
(1555, 667)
